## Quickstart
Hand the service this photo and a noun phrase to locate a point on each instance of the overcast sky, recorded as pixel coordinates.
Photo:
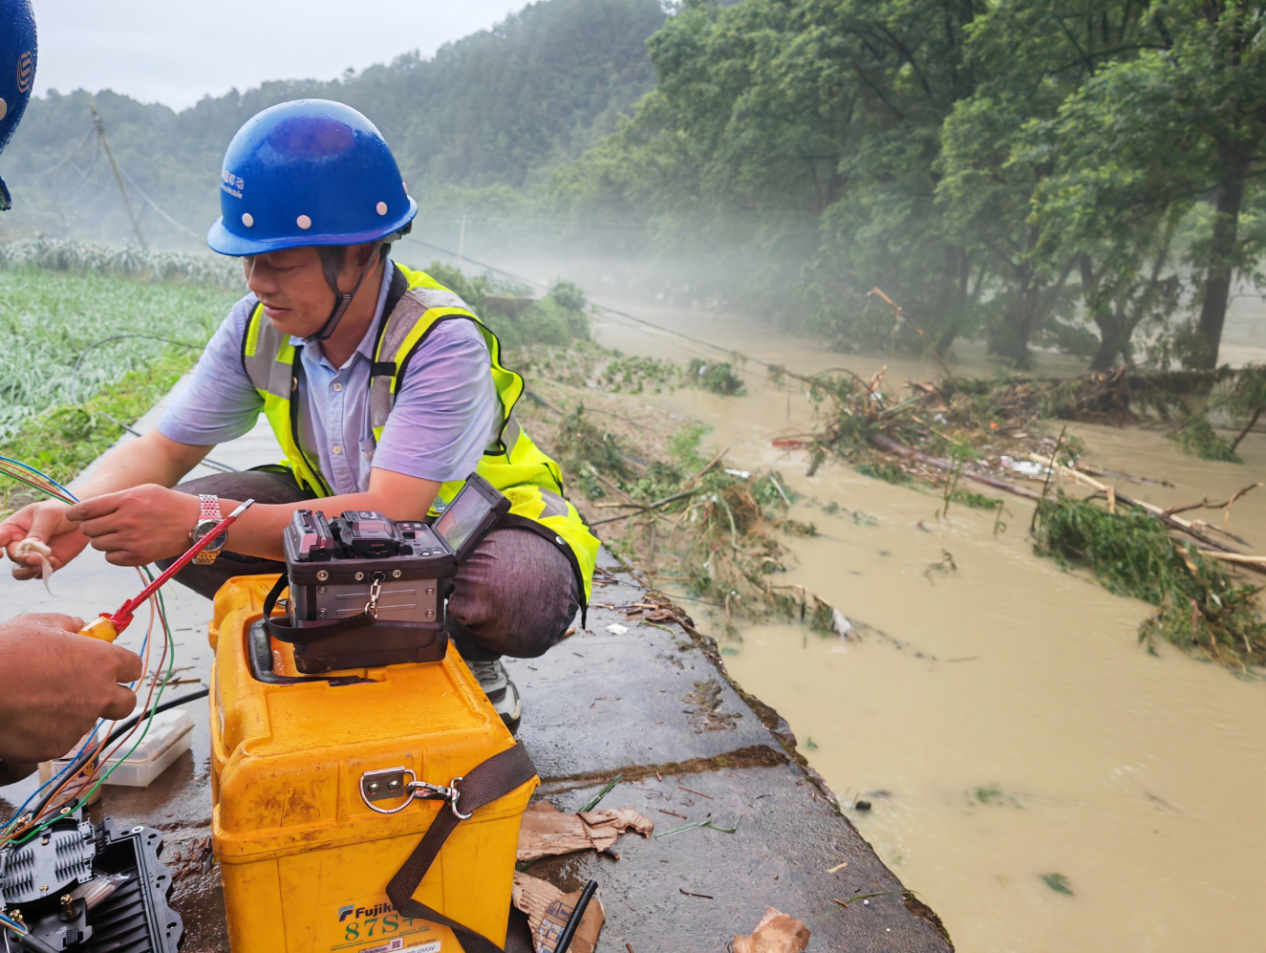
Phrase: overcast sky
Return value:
(177, 51)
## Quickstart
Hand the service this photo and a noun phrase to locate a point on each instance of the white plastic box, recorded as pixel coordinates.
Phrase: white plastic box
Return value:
(169, 736)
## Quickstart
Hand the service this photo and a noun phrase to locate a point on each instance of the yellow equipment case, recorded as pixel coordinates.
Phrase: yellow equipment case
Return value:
(305, 858)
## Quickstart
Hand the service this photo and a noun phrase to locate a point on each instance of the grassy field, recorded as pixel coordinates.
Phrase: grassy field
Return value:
(60, 419)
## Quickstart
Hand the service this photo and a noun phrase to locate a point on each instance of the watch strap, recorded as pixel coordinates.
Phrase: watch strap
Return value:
(208, 510)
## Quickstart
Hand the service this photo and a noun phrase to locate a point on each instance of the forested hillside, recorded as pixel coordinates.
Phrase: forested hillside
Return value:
(1036, 171)
(499, 107)
(1084, 174)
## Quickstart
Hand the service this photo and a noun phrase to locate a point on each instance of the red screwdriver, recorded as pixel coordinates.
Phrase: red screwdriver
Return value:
(107, 627)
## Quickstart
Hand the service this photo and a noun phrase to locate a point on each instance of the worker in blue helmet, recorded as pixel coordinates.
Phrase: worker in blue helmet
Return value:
(18, 52)
(383, 388)
(57, 684)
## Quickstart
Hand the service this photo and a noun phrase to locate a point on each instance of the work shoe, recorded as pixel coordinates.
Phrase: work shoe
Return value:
(495, 682)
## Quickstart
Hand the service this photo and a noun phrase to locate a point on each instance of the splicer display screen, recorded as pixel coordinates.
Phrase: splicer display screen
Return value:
(462, 518)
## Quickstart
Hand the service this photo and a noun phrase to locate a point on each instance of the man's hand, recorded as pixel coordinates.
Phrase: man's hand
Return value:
(45, 522)
(56, 684)
(137, 526)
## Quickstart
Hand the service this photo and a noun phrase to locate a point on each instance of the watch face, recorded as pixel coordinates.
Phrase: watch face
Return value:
(205, 526)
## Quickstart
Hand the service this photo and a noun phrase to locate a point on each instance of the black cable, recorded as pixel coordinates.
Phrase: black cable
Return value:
(33, 943)
(578, 914)
(74, 371)
(121, 729)
(212, 464)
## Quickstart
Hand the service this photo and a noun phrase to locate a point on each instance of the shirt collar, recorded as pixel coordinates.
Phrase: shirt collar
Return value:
(312, 349)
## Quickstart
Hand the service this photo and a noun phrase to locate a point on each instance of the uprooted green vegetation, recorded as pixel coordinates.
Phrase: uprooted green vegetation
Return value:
(656, 497)
(1199, 438)
(716, 377)
(984, 428)
(984, 420)
(1200, 608)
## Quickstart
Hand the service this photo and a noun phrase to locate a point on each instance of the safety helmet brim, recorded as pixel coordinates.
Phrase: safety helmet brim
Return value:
(227, 243)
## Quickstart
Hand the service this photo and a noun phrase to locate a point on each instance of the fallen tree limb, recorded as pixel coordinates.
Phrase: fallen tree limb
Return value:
(1211, 547)
(1238, 558)
(888, 445)
(686, 490)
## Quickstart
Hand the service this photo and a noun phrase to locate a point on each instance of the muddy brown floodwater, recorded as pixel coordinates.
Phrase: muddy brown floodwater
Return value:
(1004, 723)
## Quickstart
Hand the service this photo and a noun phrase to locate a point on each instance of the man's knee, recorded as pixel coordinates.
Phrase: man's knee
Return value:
(516, 596)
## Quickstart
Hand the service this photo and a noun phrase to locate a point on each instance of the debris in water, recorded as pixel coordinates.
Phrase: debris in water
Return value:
(840, 624)
(1058, 883)
(776, 933)
(1200, 608)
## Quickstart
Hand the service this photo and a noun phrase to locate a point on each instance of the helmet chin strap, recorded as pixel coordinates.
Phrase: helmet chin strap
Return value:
(330, 256)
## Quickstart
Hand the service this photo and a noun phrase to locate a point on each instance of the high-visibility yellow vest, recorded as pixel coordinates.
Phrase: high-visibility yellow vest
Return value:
(512, 463)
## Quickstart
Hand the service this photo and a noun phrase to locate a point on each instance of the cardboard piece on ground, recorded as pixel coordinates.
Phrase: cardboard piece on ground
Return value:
(548, 910)
(545, 832)
(776, 933)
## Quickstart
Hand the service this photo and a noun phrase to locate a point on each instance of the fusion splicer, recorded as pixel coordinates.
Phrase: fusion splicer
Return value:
(367, 591)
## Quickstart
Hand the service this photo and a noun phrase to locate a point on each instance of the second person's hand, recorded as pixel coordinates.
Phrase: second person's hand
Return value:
(45, 522)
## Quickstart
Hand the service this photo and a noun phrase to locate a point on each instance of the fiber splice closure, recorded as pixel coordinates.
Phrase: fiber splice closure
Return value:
(18, 53)
(369, 591)
(311, 173)
(334, 794)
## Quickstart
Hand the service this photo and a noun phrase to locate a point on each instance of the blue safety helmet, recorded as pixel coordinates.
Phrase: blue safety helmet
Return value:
(304, 173)
(17, 71)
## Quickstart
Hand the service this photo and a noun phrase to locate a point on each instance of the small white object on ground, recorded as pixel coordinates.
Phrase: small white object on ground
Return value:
(741, 474)
(840, 624)
(28, 546)
(618, 629)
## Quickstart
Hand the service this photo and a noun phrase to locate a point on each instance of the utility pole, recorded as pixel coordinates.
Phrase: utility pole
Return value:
(461, 240)
(118, 177)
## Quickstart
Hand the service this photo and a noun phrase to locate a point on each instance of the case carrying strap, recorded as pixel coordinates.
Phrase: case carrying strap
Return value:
(304, 632)
(495, 778)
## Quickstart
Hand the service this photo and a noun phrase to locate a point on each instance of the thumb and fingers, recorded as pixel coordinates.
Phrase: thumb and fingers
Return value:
(127, 665)
(41, 523)
(55, 620)
(121, 703)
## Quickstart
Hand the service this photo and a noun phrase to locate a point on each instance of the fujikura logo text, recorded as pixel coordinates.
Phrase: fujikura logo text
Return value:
(358, 913)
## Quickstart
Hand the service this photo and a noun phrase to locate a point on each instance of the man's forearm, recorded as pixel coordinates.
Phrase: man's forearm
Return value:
(259, 530)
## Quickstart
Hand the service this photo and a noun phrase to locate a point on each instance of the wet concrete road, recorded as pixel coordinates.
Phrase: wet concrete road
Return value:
(648, 703)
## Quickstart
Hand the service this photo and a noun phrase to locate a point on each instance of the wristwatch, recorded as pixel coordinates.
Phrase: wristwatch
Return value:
(209, 517)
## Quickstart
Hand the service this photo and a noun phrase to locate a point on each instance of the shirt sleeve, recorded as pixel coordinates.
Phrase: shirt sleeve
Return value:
(446, 411)
(220, 404)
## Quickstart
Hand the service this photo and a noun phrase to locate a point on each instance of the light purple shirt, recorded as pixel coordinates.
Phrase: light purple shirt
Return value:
(446, 410)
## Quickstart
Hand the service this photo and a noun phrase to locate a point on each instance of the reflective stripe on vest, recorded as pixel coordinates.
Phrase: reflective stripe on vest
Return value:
(512, 462)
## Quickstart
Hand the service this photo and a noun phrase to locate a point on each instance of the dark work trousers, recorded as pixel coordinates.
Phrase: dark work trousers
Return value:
(516, 595)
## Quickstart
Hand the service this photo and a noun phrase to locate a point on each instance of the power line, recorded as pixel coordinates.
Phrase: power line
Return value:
(100, 127)
(600, 307)
(154, 205)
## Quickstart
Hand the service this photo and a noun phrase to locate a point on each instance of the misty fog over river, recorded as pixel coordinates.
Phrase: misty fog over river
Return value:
(1005, 725)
